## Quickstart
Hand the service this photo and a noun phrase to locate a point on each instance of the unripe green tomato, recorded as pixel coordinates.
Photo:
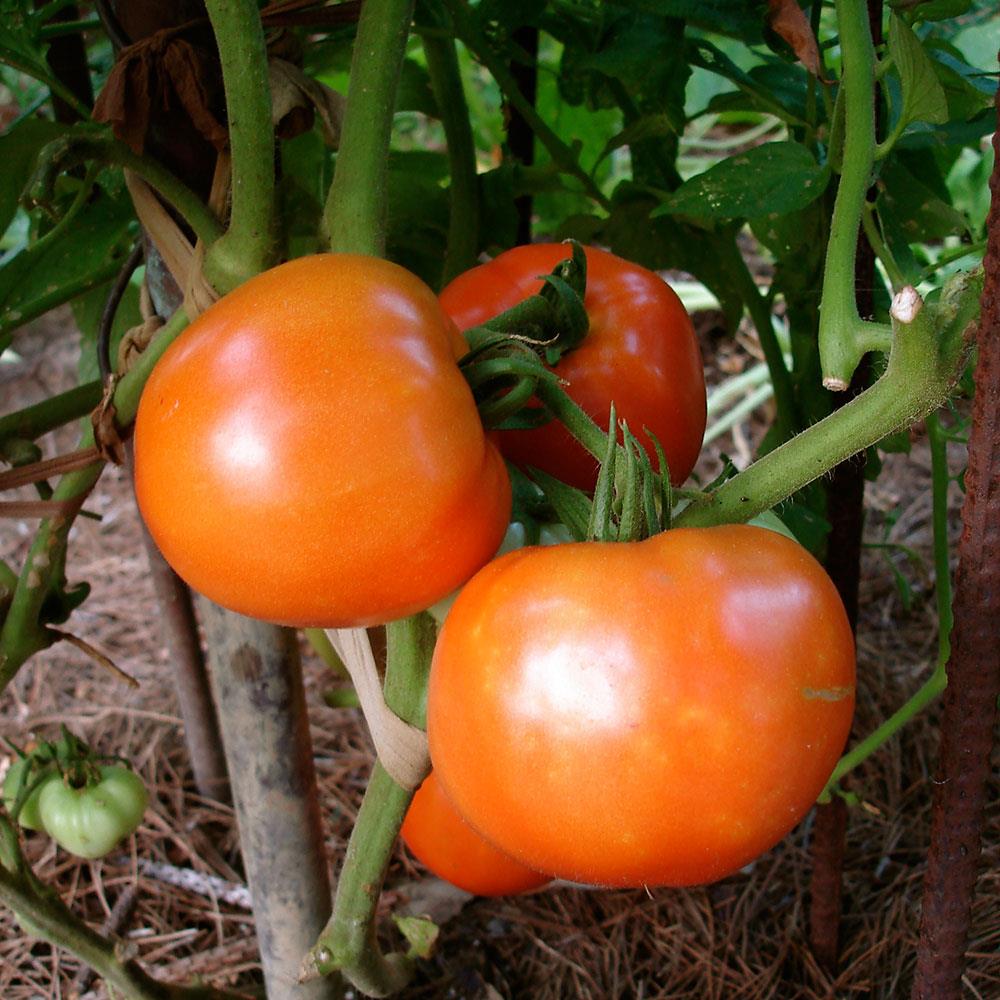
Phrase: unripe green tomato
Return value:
(19, 774)
(90, 821)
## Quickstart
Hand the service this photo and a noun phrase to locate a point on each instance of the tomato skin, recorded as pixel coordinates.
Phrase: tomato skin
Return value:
(443, 842)
(307, 451)
(640, 352)
(647, 713)
(90, 821)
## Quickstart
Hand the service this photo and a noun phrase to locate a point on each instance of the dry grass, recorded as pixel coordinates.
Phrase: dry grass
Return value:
(742, 938)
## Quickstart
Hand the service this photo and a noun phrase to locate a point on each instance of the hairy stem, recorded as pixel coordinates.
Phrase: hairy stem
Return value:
(786, 419)
(248, 245)
(844, 338)
(923, 366)
(463, 218)
(355, 213)
(562, 155)
(349, 942)
(50, 919)
(40, 418)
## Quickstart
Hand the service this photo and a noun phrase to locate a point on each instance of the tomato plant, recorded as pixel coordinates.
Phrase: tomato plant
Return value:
(443, 842)
(307, 451)
(652, 713)
(640, 352)
(89, 821)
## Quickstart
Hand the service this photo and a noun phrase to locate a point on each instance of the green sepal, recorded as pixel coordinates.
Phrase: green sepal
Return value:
(572, 506)
(600, 526)
(666, 491)
(630, 518)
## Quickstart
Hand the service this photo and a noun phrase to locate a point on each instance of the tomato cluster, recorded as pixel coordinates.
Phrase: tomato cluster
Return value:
(642, 713)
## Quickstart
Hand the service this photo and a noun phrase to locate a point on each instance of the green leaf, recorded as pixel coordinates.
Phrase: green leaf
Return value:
(775, 178)
(418, 213)
(923, 96)
(671, 243)
(738, 18)
(647, 127)
(414, 91)
(969, 90)
(755, 95)
(19, 44)
(940, 10)
(919, 213)
(19, 150)
(53, 271)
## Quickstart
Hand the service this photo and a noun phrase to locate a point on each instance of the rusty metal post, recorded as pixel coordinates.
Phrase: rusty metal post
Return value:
(970, 700)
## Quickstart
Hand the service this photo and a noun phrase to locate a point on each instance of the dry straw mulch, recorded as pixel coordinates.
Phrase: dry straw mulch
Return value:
(744, 937)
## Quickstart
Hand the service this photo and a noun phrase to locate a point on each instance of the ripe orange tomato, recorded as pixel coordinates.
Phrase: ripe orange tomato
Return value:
(640, 352)
(307, 451)
(443, 842)
(645, 713)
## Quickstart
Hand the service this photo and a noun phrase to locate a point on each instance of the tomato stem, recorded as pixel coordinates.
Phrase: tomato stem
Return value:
(248, 246)
(97, 143)
(926, 359)
(23, 632)
(938, 680)
(844, 337)
(43, 914)
(562, 155)
(463, 191)
(355, 212)
(348, 943)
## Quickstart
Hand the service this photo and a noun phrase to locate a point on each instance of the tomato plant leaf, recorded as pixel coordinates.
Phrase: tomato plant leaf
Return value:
(46, 274)
(918, 211)
(19, 149)
(923, 96)
(968, 90)
(727, 17)
(775, 178)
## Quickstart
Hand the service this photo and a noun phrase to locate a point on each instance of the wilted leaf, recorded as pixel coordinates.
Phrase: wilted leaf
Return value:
(790, 22)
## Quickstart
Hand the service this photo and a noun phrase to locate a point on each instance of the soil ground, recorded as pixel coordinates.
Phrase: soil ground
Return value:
(745, 937)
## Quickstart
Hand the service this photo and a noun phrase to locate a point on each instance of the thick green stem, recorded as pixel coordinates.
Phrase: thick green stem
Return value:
(23, 633)
(463, 219)
(89, 143)
(248, 246)
(356, 208)
(34, 421)
(562, 155)
(938, 680)
(844, 338)
(786, 419)
(50, 920)
(925, 362)
(349, 941)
